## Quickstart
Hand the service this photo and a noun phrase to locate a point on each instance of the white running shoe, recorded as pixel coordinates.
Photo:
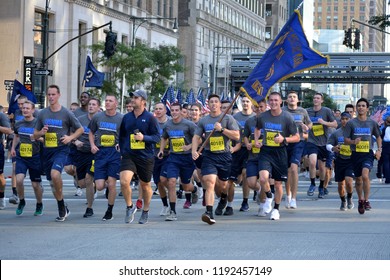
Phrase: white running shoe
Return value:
(2, 203)
(293, 203)
(261, 212)
(268, 204)
(288, 201)
(165, 211)
(79, 192)
(274, 215)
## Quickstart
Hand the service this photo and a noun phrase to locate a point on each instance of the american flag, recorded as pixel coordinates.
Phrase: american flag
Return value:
(190, 99)
(179, 98)
(201, 101)
(168, 99)
(378, 114)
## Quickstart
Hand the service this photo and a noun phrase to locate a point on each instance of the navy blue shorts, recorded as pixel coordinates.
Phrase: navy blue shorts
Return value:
(252, 168)
(343, 168)
(83, 163)
(54, 158)
(158, 168)
(295, 152)
(179, 165)
(320, 151)
(275, 161)
(107, 163)
(72, 157)
(217, 164)
(198, 162)
(239, 161)
(362, 160)
(32, 164)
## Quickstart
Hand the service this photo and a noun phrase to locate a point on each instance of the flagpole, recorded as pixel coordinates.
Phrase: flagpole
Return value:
(299, 6)
(83, 86)
(220, 119)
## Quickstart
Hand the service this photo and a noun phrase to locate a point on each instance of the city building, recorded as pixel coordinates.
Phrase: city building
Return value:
(22, 25)
(210, 31)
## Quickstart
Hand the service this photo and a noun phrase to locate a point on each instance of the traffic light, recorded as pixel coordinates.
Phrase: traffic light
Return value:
(356, 44)
(348, 38)
(110, 44)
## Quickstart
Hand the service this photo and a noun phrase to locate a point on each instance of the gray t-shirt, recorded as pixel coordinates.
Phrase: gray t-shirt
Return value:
(356, 128)
(85, 121)
(241, 119)
(273, 125)
(179, 134)
(337, 138)
(4, 122)
(319, 133)
(80, 112)
(249, 130)
(106, 129)
(157, 148)
(60, 123)
(300, 116)
(218, 142)
(24, 129)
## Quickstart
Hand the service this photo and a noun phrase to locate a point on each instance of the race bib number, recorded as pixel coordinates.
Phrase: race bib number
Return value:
(318, 130)
(345, 150)
(270, 140)
(107, 140)
(363, 147)
(92, 169)
(254, 149)
(158, 145)
(25, 150)
(217, 144)
(136, 145)
(51, 140)
(177, 144)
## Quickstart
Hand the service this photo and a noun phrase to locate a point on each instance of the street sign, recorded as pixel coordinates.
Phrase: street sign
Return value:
(31, 65)
(43, 72)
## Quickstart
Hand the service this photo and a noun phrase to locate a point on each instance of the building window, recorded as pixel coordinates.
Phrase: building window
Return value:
(158, 7)
(268, 33)
(268, 10)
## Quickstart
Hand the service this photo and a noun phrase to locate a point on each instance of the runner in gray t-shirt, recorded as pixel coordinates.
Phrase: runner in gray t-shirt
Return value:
(278, 129)
(55, 124)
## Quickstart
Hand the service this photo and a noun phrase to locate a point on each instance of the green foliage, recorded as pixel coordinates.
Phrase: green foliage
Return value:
(382, 21)
(307, 101)
(141, 65)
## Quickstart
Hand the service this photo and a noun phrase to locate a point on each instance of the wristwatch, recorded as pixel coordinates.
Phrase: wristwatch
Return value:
(222, 129)
(284, 141)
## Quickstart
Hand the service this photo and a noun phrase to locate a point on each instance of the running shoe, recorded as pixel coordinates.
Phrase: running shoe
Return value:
(367, 205)
(274, 214)
(244, 207)
(79, 192)
(139, 204)
(293, 203)
(107, 216)
(171, 217)
(19, 210)
(208, 218)
(311, 190)
(350, 204)
(228, 211)
(361, 209)
(268, 204)
(2, 203)
(321, 193)
(62, 219)
(130, 213)
(88, 213)
(221, 205)
(187, 204)
(165, 211)
(343, 206)
(14, 199)
(39, 210)
(144, 218)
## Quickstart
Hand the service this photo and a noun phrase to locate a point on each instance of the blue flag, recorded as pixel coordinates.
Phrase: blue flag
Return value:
(179, 97)
(18, 90)
(190, 99)
(288, 54)
(92, 77)
(168, 98)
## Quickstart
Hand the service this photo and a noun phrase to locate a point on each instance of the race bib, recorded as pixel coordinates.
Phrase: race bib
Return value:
(363, 147)
(270, 140)
(345, 150)
(92, 169)
(177, 144)
(136, 145)
(51, 140)
(318, 130)
(254, 149)
(25, 150)
(158, 145)
(107, 140)
(217, 144)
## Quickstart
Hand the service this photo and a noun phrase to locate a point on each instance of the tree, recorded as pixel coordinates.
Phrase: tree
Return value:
(141, 65)
(382, 21)
(307, 101)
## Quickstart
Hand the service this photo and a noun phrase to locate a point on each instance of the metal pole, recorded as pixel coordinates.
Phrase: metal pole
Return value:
(45, 36)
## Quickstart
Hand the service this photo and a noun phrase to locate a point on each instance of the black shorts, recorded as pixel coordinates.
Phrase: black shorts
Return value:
(157, 168)
(83, 163)
(343, 168)
(239, 160)
(275, 161)
(321, 151)
(143, 167)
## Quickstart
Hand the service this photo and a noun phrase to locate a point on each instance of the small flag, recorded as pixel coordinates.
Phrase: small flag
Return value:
(92, 77)
(190, 99)
(18, 90)
(179, 98)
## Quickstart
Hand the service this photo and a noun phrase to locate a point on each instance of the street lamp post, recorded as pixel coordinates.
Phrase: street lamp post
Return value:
(138, 21)
(216, 61)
